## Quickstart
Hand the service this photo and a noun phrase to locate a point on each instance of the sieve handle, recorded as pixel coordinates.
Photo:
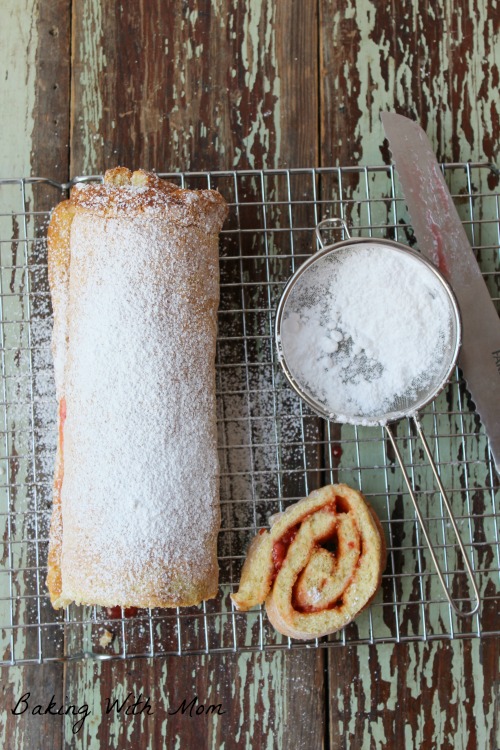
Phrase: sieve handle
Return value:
(450, 515)
(333, 223)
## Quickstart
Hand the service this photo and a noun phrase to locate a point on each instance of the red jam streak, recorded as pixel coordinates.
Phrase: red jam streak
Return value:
(280, 548)
(438, 245)
(337, 451)
(62, 418)
(308, 609)
(62, 410)
(58, 480)
(115, 613)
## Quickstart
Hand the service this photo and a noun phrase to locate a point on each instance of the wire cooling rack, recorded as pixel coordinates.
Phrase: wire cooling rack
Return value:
(273, 449)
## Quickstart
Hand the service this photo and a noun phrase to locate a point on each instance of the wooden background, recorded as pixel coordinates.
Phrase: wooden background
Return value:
(86, 85)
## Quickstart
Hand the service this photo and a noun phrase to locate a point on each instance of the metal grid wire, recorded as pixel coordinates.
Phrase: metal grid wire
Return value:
(273, 449)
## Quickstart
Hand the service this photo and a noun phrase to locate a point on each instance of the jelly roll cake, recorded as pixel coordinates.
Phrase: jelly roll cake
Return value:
(134, 276)
(318, 567)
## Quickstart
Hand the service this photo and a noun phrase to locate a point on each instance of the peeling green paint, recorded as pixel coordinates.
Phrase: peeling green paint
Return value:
(93, 67)
(18, 33)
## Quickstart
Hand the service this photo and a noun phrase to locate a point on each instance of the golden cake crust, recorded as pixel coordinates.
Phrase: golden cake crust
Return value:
(127, 193)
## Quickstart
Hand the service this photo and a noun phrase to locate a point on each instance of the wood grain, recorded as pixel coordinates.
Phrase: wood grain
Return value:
(216, 86)
(260, 84)
(18, 74)
(51, 113)
(437, 62)
(244, 691)
(413, 695)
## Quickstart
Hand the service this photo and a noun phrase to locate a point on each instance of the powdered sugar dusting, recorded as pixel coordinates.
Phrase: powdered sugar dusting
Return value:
(367, 331)
(140, 489)
(60, 332)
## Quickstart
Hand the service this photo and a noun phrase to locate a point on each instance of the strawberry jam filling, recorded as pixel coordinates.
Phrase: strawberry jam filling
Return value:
(328, 542)
(62, 410)
(280, 547)
(115, 613)
(60, 472)
(62, 418)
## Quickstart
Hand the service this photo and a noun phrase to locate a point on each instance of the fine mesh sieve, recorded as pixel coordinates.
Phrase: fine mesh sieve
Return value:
(348, 377)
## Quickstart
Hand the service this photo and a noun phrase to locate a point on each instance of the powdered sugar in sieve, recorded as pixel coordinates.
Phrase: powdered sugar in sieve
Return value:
(368, 332)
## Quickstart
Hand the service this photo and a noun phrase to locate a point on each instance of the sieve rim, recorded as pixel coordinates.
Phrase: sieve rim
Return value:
(386, 417)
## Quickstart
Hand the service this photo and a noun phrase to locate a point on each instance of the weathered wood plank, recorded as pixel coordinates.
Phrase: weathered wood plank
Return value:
(435, 62)
(51, 109)
(219, 86)
(18, 87)
(34, 122)
(23, 729)
(414, 695)
(246, 688)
